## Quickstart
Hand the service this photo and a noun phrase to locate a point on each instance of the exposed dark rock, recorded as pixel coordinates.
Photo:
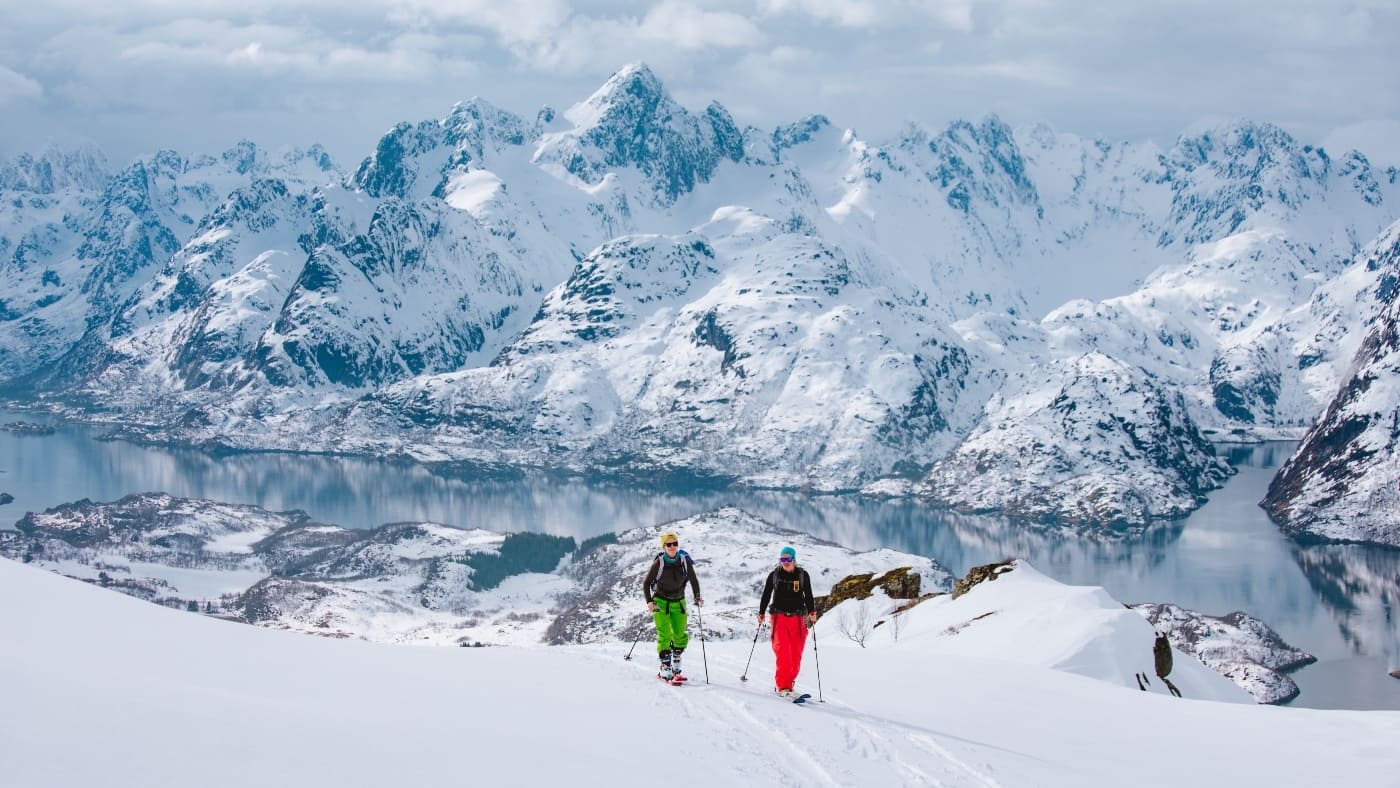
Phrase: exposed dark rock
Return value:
(977, 574)
(271, 597)
(6, 498)
(901, 583)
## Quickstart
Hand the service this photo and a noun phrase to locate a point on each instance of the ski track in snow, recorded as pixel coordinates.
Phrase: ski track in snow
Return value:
(767, 730)
(766, 721)
(930, 745)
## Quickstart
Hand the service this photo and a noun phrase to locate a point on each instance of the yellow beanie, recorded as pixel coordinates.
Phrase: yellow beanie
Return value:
(669, 536)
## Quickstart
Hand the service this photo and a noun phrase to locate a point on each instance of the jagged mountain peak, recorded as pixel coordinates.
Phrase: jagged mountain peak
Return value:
(247, 159)
(242, 156)
(980, 161)
(794, 134)
(632, 89)
(1256, 174)
(431, 148)
(1241, 147)
(477, 113)
(632, 122)
(56, 169)
(990, 130)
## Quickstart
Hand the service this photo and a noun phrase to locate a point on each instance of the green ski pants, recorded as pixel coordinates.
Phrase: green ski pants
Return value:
(670, 621)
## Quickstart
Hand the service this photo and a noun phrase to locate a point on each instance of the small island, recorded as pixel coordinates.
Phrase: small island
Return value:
(27, 428)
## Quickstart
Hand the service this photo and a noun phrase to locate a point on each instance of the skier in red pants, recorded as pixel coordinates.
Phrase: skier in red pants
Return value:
(789, 588)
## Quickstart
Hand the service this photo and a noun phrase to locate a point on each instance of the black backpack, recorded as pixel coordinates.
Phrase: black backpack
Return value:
(685, 561)
(1162, 655)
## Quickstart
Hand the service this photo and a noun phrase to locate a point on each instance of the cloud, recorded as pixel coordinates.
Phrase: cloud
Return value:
(675, 35)
(691, 28)
(158, 72)
(952, 14)
(15, 86)
(513, 23)
(1379, 139)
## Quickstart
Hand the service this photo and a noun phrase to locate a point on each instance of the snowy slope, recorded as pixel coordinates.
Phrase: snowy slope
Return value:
(1026, 696)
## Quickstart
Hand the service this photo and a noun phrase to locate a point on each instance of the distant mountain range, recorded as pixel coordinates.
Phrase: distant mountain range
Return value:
(988, 318)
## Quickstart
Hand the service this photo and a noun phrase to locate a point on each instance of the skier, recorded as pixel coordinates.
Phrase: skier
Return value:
(664, 589)
(789, 588)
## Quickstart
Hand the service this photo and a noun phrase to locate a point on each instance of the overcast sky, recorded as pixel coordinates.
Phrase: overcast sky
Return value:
(197, 75)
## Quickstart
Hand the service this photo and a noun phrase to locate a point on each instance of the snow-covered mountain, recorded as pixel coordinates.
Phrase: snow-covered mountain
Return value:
(79, 242)
(1020, 682)
(1053, 446)
(632, 287)
(1341, 483)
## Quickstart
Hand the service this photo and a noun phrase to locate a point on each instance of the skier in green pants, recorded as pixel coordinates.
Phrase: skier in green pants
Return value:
(664, 589)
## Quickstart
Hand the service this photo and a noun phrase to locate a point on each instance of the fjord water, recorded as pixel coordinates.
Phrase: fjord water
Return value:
(1335, 601)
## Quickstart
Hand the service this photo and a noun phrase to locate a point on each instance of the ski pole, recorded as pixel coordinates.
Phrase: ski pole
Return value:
(703, 656)
(745, 677)
(628, 658)
(820, 699)
(634, 645)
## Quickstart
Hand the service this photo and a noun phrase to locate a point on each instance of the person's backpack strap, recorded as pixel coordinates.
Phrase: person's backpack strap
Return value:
(685, 563)
(655, 564)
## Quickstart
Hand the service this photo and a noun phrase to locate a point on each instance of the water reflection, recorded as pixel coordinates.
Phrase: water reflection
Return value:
(1336, 602)
(1361, 590)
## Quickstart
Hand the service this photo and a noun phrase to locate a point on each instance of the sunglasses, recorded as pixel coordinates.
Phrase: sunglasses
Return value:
(671, 544)
(785, 560)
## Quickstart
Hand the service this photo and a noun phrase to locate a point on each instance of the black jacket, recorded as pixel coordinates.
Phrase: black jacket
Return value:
(667, 580)
(790, 592)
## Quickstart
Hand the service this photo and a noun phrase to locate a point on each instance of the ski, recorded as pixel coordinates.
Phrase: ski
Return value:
(803, 698)
(678, 677)
(674, 682)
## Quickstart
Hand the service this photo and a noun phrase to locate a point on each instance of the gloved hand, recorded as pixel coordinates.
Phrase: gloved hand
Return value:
(760, 620)
(700, 601)
(651, 606)
(811, 619)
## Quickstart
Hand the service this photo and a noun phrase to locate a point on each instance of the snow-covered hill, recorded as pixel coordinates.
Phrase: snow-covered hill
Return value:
(417, 582)
(429, 583)
(632, 287)
(1018, 683)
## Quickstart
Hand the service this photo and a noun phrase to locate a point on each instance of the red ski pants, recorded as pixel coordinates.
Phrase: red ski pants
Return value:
(789, 638)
